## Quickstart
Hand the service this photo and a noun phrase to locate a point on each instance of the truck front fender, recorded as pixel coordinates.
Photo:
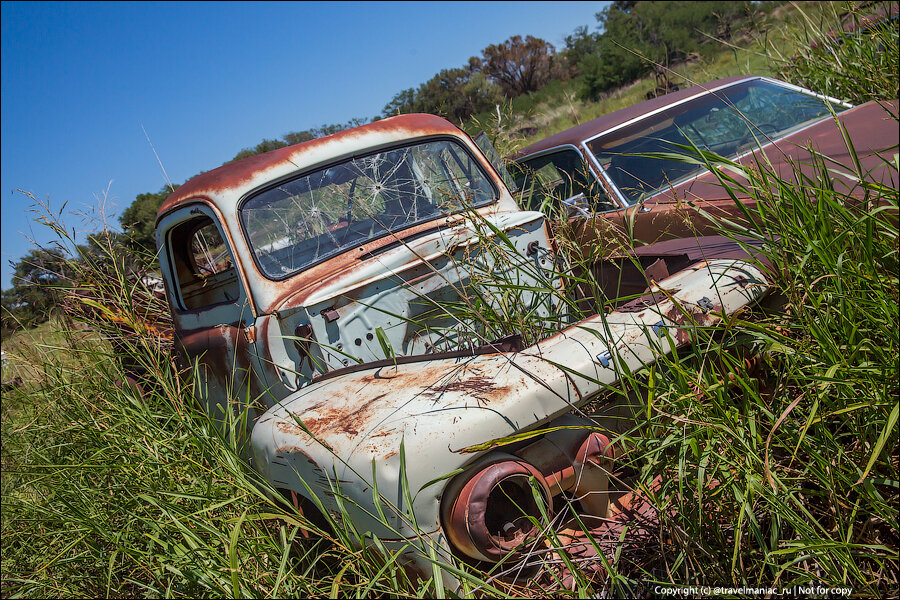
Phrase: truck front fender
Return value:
(342, 436)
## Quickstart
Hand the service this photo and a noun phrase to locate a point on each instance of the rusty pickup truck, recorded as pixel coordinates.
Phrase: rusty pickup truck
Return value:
(316, 288)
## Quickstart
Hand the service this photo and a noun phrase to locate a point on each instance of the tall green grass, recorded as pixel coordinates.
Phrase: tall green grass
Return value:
(773, 440)
(785, 472)
(843, 52)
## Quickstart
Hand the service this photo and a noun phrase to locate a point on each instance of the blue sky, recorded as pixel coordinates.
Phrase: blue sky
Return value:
(79, 80)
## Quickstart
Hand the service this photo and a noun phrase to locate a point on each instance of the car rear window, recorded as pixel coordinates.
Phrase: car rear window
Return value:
(728, 122)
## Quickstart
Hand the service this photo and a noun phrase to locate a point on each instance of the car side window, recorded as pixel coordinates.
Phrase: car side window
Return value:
(560, 175)
(203, 265)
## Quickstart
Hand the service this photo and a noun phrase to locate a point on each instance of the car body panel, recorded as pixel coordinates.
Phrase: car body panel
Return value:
(436, 408)
(672, 212)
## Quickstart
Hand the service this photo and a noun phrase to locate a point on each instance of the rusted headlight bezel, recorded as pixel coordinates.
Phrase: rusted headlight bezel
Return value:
(467, 506)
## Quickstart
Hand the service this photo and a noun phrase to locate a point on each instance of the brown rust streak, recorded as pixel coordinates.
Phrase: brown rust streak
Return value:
(434, 381)
(682, 320)
(383, 433)
(334, 420)
(284, 427)
(224, 352)
(483, 390)
(240, 172)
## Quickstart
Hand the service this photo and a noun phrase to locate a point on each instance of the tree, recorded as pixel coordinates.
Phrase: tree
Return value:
(9, 305)
(635, 35)
(520, 65)
(456, 94)
(263, 146)
(403, 102)
(297, 137)
(38, 278)
(139, 220)
(579, 45)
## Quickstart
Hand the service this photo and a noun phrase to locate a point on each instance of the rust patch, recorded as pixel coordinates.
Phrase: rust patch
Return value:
(640, 304)
(383, 433)
(328, 420)
(483, 390)
(413, 571)
(240, 172)
(292, 450)
(434, 380)
(289, 429)
(657, 271)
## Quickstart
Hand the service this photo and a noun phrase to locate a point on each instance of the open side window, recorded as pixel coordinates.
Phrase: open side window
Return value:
(562, 176)
(484, 144)
(203, 265)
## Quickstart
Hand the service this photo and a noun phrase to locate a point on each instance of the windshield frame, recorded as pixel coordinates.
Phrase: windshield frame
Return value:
(437, 219)
(703, 92)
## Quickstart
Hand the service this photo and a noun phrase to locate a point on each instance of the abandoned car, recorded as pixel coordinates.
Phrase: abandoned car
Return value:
(318, 288)
(593, 168)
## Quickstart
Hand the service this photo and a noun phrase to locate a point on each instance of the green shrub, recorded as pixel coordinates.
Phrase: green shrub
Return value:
(858, 66)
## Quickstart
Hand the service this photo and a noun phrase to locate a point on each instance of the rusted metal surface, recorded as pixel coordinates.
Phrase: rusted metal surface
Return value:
(635, 271)
(631, 524)
(591, 477)
(485, 511)
(362, 417)
(341, 368)
(562, 455)
(260, 167)
(490, 516)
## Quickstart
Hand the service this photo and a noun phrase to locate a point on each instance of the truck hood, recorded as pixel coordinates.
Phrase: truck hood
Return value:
(347, 431)
(404, 254)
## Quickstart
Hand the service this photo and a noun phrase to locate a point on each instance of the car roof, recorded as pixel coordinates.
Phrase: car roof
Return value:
(579, 133)
(242, 175)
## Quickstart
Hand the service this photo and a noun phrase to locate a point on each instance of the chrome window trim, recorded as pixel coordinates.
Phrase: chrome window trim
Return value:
(619, 196)
(713, 91)
(540, 153)
(591, 161)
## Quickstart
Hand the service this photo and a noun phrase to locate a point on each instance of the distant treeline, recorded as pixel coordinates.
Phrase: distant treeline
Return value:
(626, 43)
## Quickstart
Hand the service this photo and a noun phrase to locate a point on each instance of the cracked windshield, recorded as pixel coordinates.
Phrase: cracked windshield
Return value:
(306, 220)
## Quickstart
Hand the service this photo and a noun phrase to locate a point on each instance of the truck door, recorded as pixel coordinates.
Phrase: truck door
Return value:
(212, 313)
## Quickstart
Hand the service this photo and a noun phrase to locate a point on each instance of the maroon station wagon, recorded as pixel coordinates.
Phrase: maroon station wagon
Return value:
(591, 167)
